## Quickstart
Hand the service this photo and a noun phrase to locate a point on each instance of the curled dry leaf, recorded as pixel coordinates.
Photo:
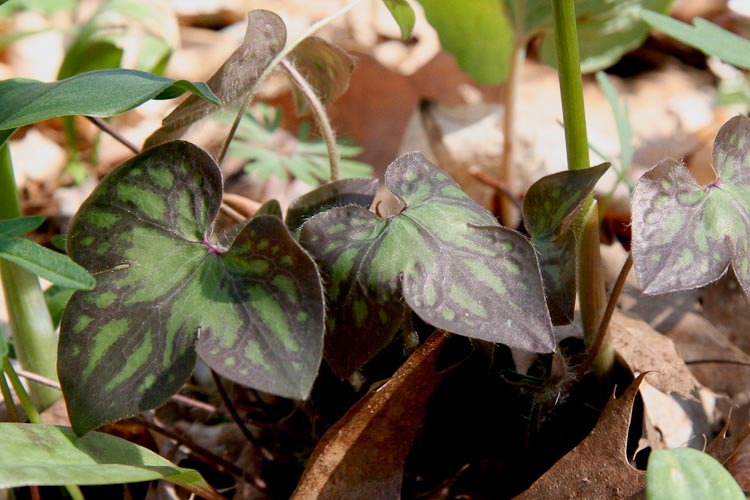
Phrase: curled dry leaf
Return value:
(598, 467)
(643, 349)
(734, 453)
(362, 455)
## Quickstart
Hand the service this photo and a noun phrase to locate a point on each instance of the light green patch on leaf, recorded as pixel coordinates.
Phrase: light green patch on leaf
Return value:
(165, 291)
(549, 210)
(687, 474)
(686, 235)
(47, 455)
(443, 256)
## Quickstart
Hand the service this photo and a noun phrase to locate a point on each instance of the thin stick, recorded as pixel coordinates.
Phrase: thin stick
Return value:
(107, 128)
(321, 117)
(236, 417)
(496, 184)
(601, 333)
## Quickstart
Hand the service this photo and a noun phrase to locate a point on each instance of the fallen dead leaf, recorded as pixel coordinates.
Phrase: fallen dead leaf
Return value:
(734, 453)
(643, 349)
(598, 467)
(362, 455)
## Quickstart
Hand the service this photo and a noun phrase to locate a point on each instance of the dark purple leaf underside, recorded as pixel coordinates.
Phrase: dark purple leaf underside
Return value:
(360, 192)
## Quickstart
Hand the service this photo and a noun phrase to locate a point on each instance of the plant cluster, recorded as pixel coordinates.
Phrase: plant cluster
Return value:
(266, 302)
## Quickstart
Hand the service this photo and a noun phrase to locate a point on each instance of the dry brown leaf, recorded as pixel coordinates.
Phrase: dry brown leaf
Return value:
(362, 455)
(643, 349)
(734, 453)
(728, 309)
(598, 467)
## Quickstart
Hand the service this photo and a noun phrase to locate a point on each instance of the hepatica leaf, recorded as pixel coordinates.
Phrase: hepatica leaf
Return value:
(686, 235)
(253, 312)
(443, 255)
(549, 208)
(687, 474)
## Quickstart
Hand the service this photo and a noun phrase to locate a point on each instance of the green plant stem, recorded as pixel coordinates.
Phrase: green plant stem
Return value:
(10, 406)
(30, 322)
(589, 278)
(321, 116)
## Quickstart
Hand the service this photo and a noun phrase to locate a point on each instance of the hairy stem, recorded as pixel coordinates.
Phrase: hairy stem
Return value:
(108, 129)
(321, 116)
(30, 322)
(589, 278)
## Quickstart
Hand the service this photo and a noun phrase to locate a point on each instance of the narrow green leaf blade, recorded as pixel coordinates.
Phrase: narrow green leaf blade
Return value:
(47, 455)
(403, 14)
(53, 266)
(686, 235)
(264, 39)
(446, 256)
(704, 36)
(19, 225)
(96, 93)
(687, 474)
(163, 284)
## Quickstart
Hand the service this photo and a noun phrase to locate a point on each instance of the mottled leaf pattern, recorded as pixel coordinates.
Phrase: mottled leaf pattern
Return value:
(443, 256)
(339, 193)
(549, 208)
(255, 309)
(686, 235)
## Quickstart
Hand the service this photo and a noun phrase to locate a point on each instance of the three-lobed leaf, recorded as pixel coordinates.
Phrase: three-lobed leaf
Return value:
(442, 255)
(688, 474)
(549, 209)
(686, 235)
(165, 289)
(48, 455)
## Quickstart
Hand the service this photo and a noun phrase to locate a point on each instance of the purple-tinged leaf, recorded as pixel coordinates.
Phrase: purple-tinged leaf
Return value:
(254, 309)
(549, 209)
(326, 68)
(442, 255)
(686, 235)
(264, 39)
(360, 192)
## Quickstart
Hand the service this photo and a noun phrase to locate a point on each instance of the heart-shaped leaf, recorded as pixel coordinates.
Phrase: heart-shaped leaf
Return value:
(255, 309)
(443, 255)
(47, 455)
(686, 235)
(549, 208)
(264, 39)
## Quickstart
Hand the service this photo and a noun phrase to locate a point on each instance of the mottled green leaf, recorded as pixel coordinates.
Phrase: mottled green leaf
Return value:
(325, 66)
(50, 265)
(443, 255)
(403, 14)
(271, 207)
(96, 93)
(264, 39)
(360, 192)
(704, 36)
(686, 235)
(549, 209)
(19, 225)
(48, 455)
(139, 31)
(165, 288)
(687, 474)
